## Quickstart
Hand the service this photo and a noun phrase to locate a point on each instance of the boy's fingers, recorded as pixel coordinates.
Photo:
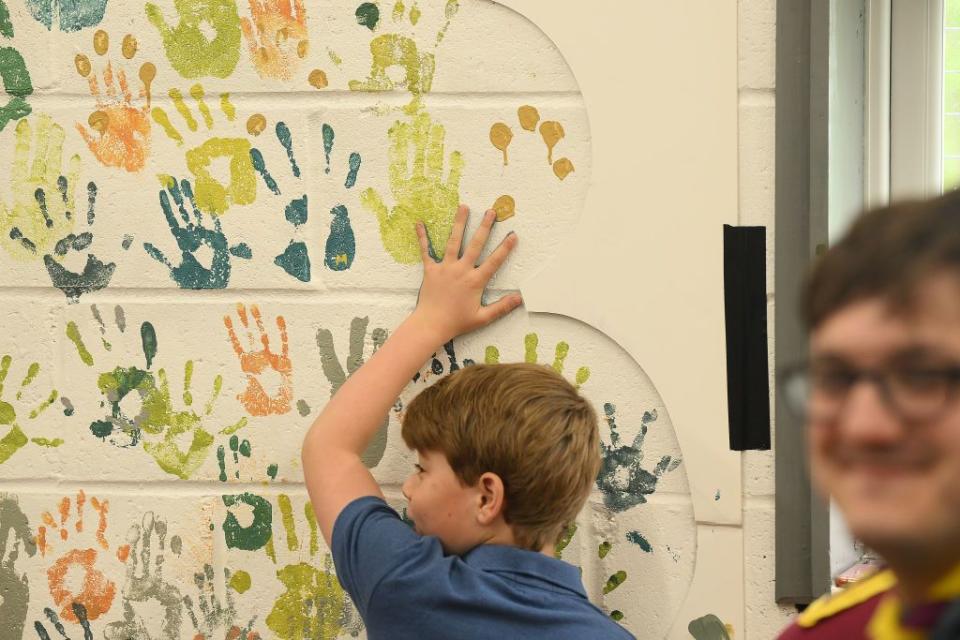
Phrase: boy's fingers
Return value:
(424, 244)
(499, 255)
(455, 241)
(480, 237)
(500, 308)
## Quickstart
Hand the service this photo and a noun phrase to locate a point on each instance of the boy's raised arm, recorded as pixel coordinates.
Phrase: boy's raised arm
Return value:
(449, 305)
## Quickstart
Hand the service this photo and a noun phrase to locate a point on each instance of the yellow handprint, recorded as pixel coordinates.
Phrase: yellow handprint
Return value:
(122, 137)
(276, 35)
(421, 194)
(211, 195)
(42, 212)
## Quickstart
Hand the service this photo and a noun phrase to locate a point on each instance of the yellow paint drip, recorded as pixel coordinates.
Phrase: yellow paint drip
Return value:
(500, 136)
(562, 168)
(552, 133)
(147, 73)
(303, 48)
(83, 65)
(129, 46)
(256, 124)
(505, 207)
(529, 117)
(101, 42)
(318, 79)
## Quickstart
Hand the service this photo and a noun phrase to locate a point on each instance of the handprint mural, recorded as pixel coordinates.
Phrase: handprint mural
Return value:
(207, 215)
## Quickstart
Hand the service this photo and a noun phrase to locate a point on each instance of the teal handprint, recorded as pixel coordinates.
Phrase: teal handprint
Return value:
(421, 192)
(190, 51)
(622, 479)
(70, 15)
(192, 234)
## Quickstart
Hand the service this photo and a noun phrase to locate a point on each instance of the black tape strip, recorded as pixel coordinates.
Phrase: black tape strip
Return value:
(745, 306)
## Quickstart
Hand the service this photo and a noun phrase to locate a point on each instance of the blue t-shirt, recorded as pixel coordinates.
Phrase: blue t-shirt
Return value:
(406, 588)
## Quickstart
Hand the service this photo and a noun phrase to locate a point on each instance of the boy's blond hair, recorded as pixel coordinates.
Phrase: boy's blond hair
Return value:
(527, 424)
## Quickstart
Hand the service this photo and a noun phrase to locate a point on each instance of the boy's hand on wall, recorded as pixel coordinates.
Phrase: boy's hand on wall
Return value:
(450, 297)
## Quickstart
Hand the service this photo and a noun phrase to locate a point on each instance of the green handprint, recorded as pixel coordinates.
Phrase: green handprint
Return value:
(531, 344)
(15, 439)
(157, 425)
(421, 193)
(191, 53)
(42, 212)
(13, 74)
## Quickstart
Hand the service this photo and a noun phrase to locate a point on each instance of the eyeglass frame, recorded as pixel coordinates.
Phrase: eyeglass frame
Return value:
(881, 378)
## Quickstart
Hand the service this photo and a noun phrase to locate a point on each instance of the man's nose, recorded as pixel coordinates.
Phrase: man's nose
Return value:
(867, 417)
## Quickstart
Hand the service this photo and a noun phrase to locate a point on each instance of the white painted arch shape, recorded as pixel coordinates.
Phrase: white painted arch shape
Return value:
(659, 79)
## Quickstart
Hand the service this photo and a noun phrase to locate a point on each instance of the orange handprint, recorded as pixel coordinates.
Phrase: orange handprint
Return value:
(255, 398)
(276, 36)
(96, 591)
(121, 136)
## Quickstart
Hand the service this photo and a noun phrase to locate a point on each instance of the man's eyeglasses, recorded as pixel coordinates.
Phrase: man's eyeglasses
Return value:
(916, 394)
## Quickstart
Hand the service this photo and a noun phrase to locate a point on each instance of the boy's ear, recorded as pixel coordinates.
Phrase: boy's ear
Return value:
(491, 498)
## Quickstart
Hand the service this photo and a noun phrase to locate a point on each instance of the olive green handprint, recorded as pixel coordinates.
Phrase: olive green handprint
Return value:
(15, 438)
(531, 344)
(421, 192)
(189, 49)
(313, 605)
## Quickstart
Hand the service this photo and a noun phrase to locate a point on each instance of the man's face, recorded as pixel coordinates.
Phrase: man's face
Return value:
(896, 481)
(440, 506)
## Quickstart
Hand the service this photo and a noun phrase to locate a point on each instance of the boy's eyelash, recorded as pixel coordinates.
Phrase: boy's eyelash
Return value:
(418, 468)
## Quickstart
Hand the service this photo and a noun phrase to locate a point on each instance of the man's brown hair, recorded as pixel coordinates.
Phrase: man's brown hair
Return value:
(886, 253)
(524, 422)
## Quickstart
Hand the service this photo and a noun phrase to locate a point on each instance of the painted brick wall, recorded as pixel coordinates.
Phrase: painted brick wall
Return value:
(187, 277)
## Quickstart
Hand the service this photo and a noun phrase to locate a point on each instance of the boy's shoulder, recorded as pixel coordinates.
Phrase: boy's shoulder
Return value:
(405, 586)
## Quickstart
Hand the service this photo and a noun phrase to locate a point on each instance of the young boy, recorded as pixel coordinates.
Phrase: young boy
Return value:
(507, 455)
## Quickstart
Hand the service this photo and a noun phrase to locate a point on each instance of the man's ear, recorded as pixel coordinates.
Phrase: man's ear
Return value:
(491, 498)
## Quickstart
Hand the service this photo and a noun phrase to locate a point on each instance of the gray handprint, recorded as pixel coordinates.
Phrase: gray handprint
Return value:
(334, 372)
(14, 587)
(213, 615)
(145, 583)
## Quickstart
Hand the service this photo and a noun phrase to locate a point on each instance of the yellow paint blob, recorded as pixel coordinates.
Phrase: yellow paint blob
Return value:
(552, 133)
(563, 167)
(101, 42)
(98, 120)
(256, 124)
(303, 48)
(529, 117)
(318, 79)
(505, 207)
(500, 136)
(129, 46)
(83, 65)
